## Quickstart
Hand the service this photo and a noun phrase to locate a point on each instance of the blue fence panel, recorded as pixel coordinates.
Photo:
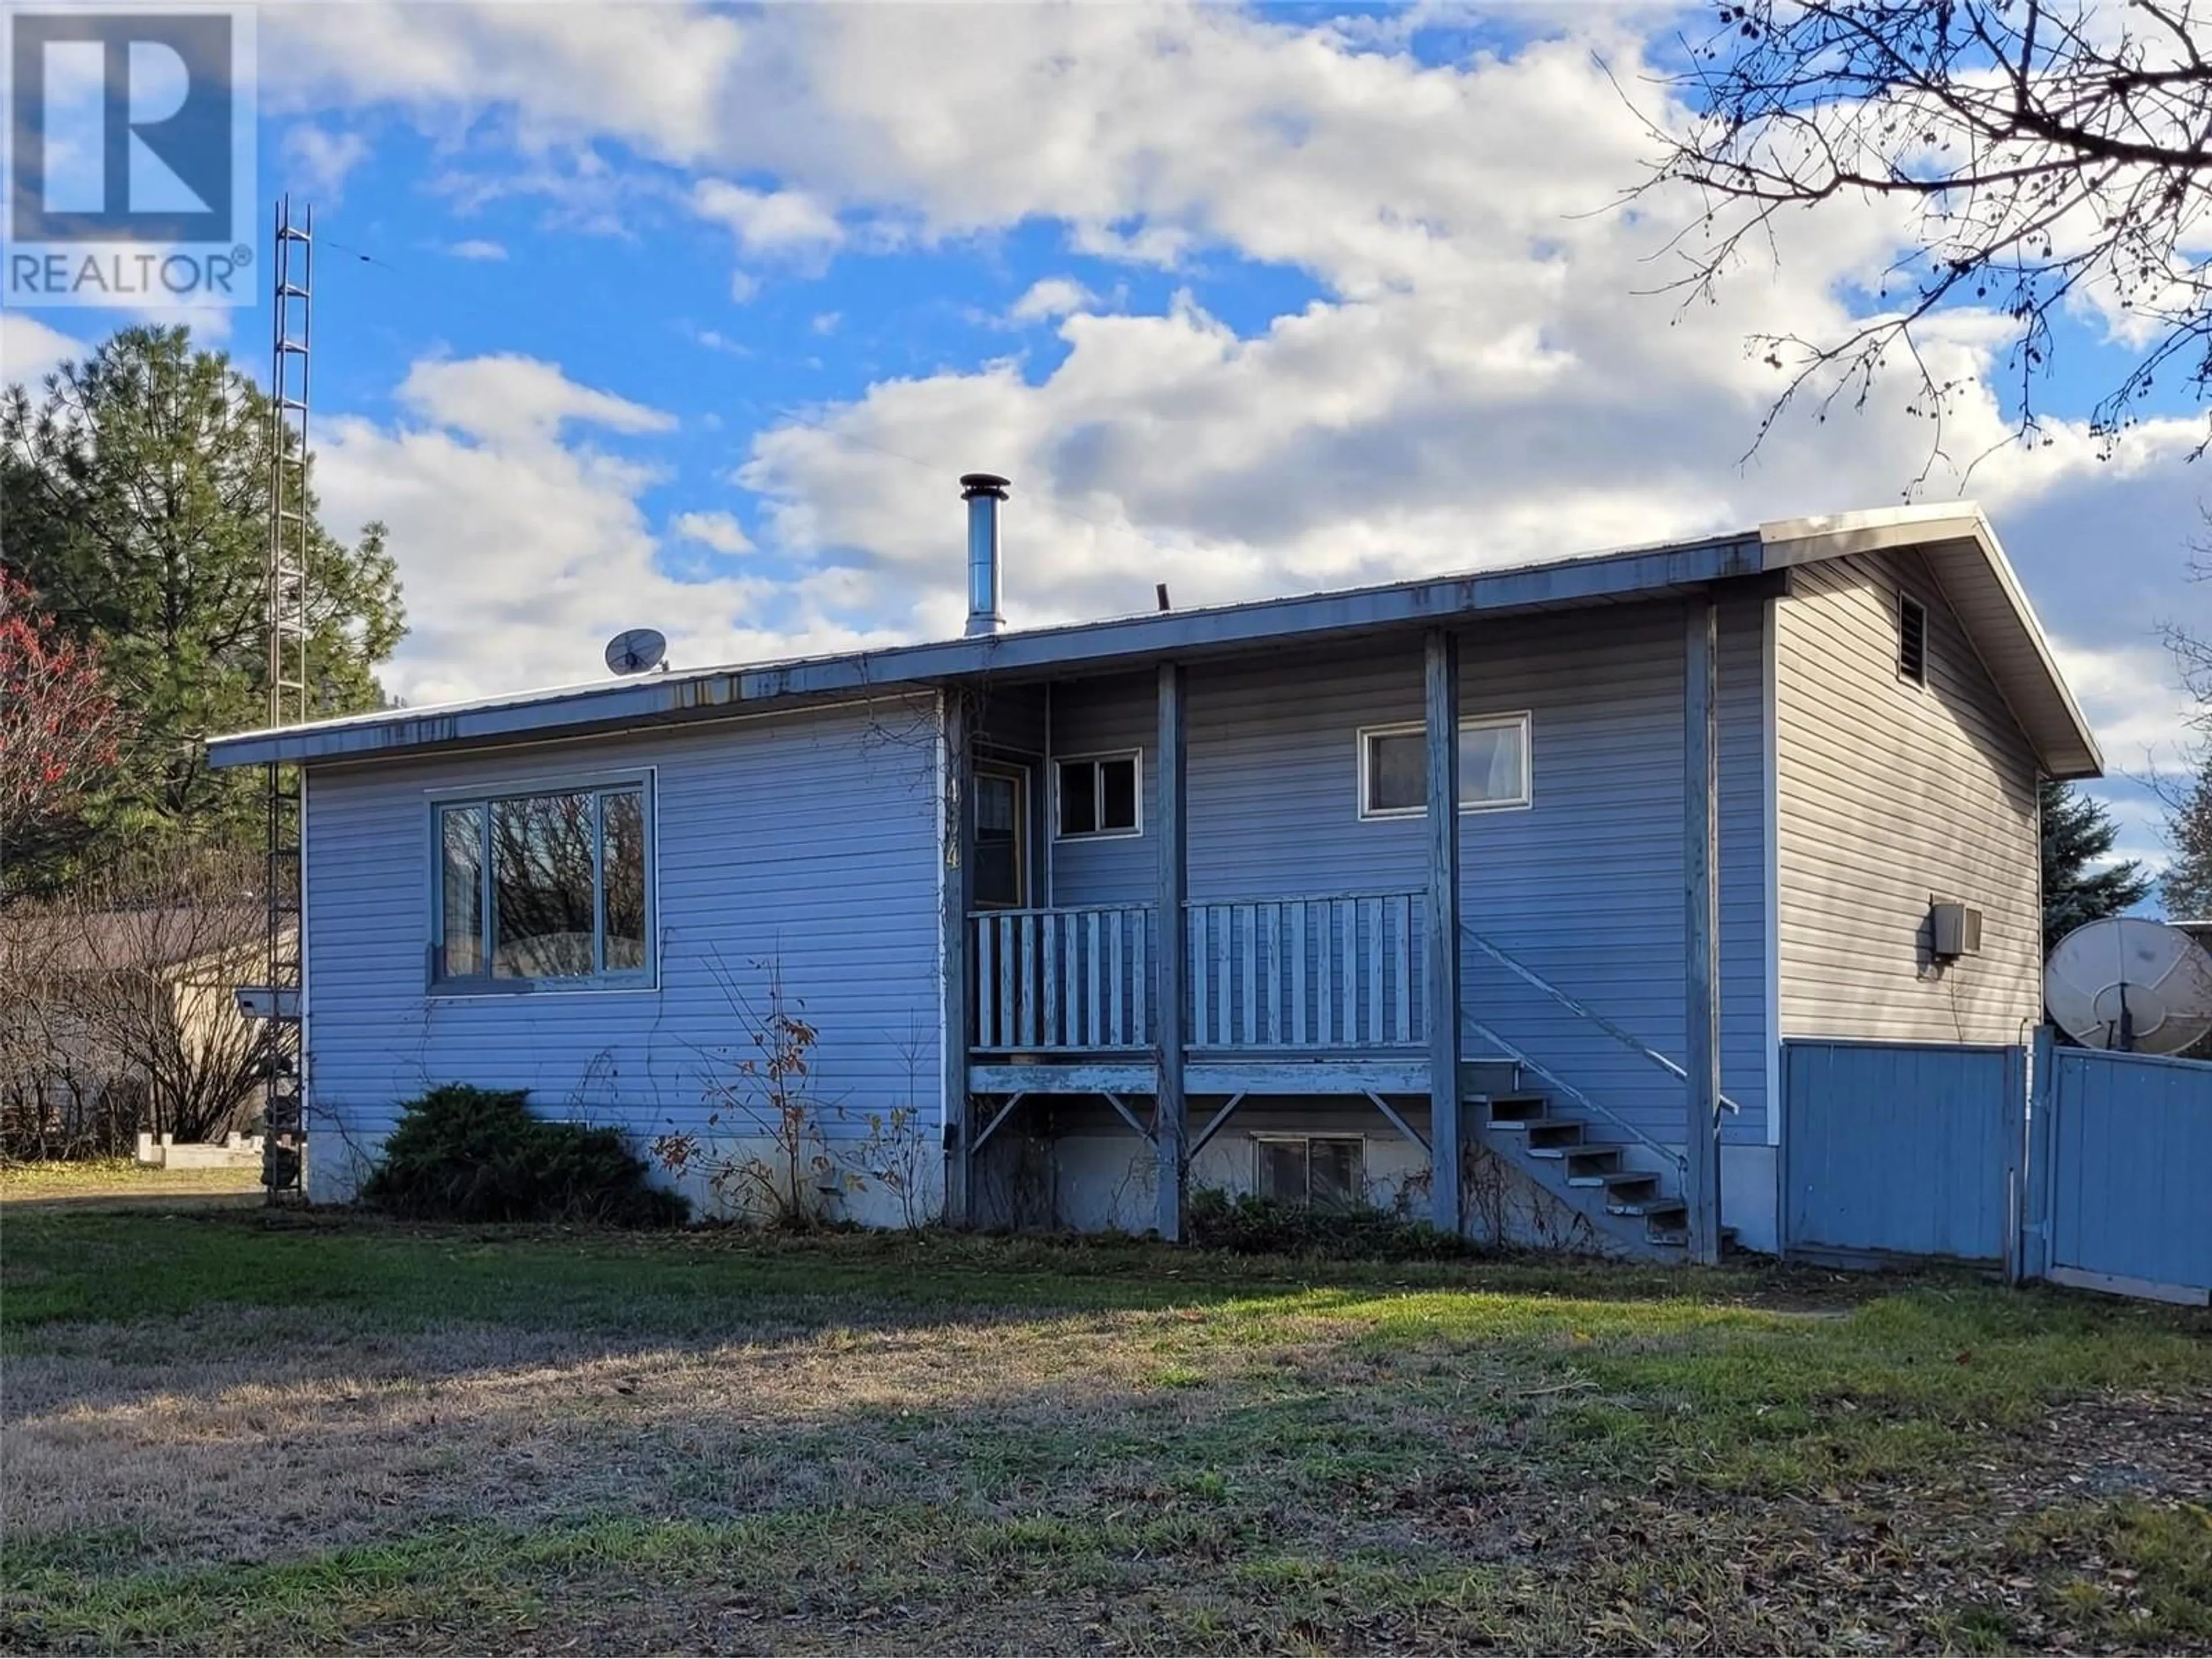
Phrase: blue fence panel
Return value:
(2130, 1147)
(1901, 1149)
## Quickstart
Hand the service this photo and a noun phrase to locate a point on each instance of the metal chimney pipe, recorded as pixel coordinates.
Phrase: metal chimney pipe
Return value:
(983, 491)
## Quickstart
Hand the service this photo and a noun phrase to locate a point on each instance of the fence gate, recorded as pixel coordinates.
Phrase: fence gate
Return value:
(2120, 1150)
(1901, 1149)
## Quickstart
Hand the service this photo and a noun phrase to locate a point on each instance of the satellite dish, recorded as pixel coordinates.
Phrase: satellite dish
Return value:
(2130, 984)
(635, 650)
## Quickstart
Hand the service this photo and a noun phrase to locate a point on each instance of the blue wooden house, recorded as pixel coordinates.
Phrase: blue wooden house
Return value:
(1494, 897)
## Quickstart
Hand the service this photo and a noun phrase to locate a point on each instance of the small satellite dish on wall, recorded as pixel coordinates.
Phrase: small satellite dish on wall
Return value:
(2130, 984)
(638, 651)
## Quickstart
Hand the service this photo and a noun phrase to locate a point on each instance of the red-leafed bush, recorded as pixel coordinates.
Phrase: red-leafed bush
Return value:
(59, 727)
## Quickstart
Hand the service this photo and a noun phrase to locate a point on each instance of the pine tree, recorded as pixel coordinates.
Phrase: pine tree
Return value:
(2077, 887)
(2186, 887)
(134, 489)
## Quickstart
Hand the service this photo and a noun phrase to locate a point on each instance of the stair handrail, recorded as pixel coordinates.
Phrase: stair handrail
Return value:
(1520, 1057)
(1580, 1011)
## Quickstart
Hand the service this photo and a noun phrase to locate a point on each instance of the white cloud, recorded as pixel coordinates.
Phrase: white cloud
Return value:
(656, 74)
(719, 531)
(477, 248)
(518, 399)
(1052, 296)
(2134, 701)
(1484, 376)
(29, 348)
(521, 548)
(826, 322)
(317, 159)
(768, 222)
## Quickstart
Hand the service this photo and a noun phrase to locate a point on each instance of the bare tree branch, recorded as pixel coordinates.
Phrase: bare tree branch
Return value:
(2053, 158)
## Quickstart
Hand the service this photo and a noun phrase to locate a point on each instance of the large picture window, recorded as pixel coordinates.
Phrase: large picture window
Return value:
(548, 886)
(1493, 766)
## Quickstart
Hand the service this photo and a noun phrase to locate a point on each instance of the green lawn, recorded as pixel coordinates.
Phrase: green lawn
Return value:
(228, 1430)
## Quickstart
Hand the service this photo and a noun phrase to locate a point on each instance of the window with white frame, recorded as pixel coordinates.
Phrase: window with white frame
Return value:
(545, 886)
(1097, 795)
(1315, 1172)
(1493, 766)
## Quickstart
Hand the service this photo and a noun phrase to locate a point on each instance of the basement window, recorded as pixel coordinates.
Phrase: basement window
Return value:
(546, 888)
(1912, 639)
(1312, 1171)
(1098, 795)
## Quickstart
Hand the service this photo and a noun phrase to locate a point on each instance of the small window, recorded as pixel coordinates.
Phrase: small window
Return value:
(1313, 1171)
(1098, 796)
(548, 886)
(1912, 639)
(1493, 766)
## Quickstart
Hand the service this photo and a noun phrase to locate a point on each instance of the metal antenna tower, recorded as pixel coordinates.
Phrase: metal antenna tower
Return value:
(283, 1156)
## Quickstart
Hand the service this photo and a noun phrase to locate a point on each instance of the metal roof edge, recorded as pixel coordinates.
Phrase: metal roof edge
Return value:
(1807, 540)
(705, 693)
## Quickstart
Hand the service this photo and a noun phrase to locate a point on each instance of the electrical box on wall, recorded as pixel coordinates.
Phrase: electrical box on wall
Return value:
(1953, 930)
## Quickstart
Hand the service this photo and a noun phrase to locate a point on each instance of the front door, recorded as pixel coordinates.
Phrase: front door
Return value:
(1000, 879)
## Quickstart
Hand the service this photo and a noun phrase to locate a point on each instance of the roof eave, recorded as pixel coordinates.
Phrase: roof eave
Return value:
(712, 693)
(2042, 702)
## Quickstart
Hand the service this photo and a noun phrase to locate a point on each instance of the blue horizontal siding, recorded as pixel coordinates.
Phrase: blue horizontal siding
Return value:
(809, 841)
(1584, 887)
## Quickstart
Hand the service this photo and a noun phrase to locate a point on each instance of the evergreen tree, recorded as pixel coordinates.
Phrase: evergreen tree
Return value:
(2077, 833)
(2186, 887)
(134, 489)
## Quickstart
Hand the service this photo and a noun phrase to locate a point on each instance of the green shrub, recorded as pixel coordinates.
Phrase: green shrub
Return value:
(467, 1154)
(1348, 1232)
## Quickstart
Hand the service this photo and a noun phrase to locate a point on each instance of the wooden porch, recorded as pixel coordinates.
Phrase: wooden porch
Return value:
(1300, 978)
(1169, 1000)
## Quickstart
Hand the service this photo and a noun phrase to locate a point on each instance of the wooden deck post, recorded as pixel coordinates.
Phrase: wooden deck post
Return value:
(959, 821)
(1446, 1146)
(1171, 961)
(1701, 927)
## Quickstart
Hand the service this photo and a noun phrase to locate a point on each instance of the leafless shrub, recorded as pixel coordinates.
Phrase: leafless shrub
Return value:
(757, 1092)
(119, 994)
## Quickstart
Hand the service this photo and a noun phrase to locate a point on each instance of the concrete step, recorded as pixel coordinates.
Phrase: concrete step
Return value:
(1628, 1186)
(1594, 1158)
(1513, 1111)
(1555, 1135)
(1489, 1075)
(1677, 1238)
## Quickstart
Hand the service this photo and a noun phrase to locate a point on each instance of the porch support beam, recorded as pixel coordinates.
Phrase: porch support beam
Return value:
(1213, 1124)
(957, 819)
(1171, 964)
(1442, 730)
(1128, 1116)
(992, 1128)
(1396, 1121)
(1701, 926)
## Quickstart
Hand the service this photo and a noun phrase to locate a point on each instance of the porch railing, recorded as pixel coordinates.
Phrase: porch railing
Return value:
(1063, 981)
(1332, 971)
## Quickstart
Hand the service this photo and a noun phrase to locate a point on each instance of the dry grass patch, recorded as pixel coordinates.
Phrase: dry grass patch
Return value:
(279, 1437)
(112, 1182)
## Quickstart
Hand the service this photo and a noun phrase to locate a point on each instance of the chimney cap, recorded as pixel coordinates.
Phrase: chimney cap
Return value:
(982, 484)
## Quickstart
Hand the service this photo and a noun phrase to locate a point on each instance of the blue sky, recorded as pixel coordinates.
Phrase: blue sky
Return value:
(685, 316)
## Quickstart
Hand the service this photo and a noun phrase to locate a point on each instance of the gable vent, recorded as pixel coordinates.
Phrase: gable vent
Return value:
(1912, 640)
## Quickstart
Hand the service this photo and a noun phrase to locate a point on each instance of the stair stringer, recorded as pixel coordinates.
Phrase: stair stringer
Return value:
(1609, 1234)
